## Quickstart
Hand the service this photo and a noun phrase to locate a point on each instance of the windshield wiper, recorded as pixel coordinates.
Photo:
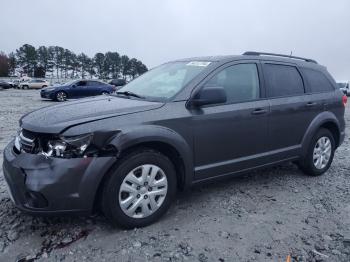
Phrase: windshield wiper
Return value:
(129, 93)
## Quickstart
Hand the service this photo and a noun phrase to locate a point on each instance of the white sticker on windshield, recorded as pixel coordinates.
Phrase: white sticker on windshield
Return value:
(198, 63)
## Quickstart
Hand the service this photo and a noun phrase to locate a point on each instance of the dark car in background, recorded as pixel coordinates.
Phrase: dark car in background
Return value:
(76, 89)
(117, 82)
(4, 84)
(345, 87)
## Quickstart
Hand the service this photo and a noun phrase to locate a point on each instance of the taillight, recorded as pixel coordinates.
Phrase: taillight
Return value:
(345, 100)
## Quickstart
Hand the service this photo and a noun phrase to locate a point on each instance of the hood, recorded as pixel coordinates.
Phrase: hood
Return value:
(55, 119)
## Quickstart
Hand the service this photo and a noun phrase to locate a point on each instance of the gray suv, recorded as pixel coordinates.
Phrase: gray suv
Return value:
(182, 123)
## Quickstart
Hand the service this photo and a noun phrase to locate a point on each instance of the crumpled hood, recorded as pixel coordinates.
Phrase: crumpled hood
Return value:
(55, 119)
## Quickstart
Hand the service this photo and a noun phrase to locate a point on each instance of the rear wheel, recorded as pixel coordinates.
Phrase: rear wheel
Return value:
(320, 153)
(25, 87)
(139, 190)
(44, 86)
(105, 93)
(61, 96)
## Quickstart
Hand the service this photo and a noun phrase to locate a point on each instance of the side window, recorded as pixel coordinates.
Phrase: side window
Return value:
(94, 83)
(283, 80)
(241, 82)
(81, 83)
(317, 81)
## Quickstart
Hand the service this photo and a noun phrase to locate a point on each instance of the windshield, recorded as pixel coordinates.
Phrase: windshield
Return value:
(163, 82)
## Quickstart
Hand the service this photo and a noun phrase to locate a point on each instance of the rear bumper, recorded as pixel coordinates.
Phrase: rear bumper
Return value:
(40, 185)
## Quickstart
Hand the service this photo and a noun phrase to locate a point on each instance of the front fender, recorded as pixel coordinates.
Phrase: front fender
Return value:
(137, 135)
(317, 122)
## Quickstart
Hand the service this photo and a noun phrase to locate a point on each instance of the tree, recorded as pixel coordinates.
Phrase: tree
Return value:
(12, 62)
(90, 67)
(4, 64)
(141, 68)
(58, 60)
(135, 68)
(51, 59)
(74, 65)
(99, 59)
(61, 62)
(45, 61)
(111, 65)
(27, 58)
(83, 64)
(124, 60)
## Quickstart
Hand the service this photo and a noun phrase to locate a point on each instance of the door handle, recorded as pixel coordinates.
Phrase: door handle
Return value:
(259, 111)
(311, 104)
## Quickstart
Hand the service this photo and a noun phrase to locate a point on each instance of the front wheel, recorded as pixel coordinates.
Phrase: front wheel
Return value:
(105, 93)
(320, 154)
(140, 189)
(61, 96)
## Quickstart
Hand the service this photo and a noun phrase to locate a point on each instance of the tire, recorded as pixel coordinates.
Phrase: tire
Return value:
(44, 86)
(113, 194)
(104, 93)
(61, 96)
(25, 87)
(307, 164)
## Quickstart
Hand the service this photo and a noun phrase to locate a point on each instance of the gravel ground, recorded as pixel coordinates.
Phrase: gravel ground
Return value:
(262, 216)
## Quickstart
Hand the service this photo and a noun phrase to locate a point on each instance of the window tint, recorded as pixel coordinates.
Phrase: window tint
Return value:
(241, 82)
(283, 80)
(93, 83)
(81, 83)
(317, 81)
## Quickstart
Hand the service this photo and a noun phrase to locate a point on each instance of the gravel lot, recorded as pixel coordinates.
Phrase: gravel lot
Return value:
(262, 216)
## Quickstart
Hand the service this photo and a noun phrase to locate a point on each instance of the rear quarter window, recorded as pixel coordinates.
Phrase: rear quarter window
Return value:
(317, 81)
(283, 80)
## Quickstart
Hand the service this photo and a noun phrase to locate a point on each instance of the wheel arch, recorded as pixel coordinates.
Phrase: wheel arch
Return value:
(161, 139)
(59, 91)
(324, 120)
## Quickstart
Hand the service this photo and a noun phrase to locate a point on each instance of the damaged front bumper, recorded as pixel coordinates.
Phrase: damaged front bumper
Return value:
(49, 185)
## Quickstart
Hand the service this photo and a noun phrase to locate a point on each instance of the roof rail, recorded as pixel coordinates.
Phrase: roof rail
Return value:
(272, 54)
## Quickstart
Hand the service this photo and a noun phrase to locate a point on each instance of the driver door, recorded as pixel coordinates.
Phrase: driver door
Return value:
(79, 89)
(232, 136)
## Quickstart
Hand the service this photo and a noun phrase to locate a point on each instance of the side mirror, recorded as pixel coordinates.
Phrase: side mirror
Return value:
(209, 95)
(74, 85)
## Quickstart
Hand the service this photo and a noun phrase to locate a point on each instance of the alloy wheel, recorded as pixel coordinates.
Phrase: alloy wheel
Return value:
(61, 96)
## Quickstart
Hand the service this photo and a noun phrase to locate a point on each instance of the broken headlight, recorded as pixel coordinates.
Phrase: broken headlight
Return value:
(68, 146)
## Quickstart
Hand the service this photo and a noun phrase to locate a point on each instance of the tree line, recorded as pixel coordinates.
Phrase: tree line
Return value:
(59, 62)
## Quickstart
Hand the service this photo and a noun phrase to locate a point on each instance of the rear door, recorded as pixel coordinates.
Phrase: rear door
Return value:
(79, 89)
(95, 88)
(288, 119)
(320, 92)
(232, 136)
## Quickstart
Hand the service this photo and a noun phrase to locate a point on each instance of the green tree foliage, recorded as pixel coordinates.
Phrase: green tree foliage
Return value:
(27, 58)
(12, 62)
(59, 62)
(4, 64)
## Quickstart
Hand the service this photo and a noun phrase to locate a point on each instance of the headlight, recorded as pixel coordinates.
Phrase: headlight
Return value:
(69, 146)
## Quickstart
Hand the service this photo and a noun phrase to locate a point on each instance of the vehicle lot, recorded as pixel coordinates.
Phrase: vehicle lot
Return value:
(262, 216)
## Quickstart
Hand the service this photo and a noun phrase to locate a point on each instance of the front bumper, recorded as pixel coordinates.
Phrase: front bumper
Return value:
(47, 94)
(41, 185)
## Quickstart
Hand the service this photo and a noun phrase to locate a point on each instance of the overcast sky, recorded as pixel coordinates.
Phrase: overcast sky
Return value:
(156, 31)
